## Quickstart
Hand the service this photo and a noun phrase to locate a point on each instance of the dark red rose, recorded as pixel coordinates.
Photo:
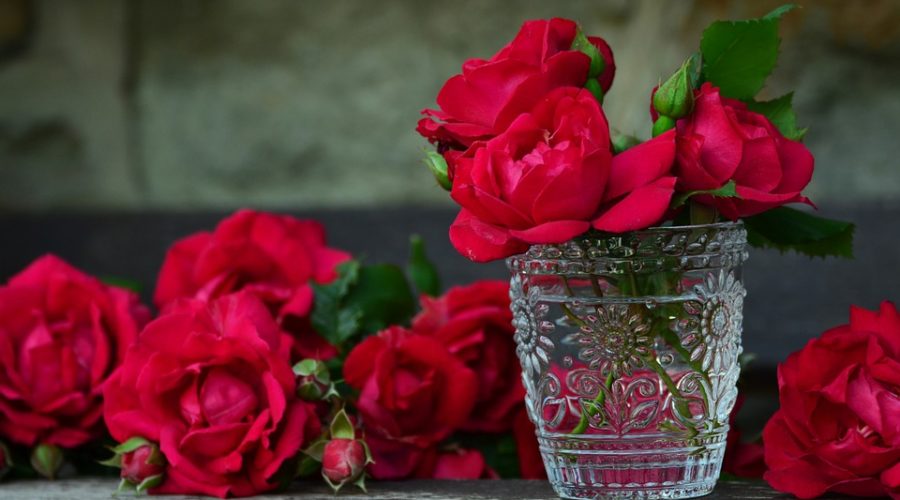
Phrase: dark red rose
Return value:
(838, 428)
(343, 461)
(723, 141)
(551, 176)
(531, 465)
(488, 95)
(475, 324)
(741, 459)
(275, 257)
(62, 333)
(141, 464)
(413, 394)
(209, 382)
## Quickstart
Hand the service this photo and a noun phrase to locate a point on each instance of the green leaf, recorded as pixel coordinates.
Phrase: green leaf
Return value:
(127, 284)
(329, 318)
(786, 228)
(421, 270)
(781, 113)
(729, 190)
(583, 45)
(381, 297)
(738, 56)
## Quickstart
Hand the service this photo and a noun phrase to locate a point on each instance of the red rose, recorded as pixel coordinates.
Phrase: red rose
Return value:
(208, 383)
(723, 141)
(273, 256)
(838, 428)
(551, 176)
(413, 394)
(62, 333)
(484, 100)
(531, 465)
(343, 461)
(475, 324)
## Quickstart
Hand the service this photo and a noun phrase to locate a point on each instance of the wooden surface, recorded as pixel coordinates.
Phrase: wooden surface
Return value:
(95, 489)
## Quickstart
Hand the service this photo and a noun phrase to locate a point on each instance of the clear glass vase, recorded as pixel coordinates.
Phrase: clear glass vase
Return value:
(629, 348)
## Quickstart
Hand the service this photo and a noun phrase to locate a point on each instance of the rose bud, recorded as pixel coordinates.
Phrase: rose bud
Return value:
(439, 169)
(143, 466)
(47, 459)
(343, 461)
(313, 380)
(675, 97)
(5, 460)
(344, 458)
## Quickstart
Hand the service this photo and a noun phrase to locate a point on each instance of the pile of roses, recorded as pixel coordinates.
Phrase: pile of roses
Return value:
(227, 393)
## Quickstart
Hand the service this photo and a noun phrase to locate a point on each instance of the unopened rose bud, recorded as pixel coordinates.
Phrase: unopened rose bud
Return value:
(675, 97)
(582, 44)
(313, 380)
(47, 459)
(142, 464)
(343, 461)
(5, 460)
(439, 169)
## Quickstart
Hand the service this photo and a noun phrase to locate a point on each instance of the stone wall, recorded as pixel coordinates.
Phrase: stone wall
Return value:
(191, 104)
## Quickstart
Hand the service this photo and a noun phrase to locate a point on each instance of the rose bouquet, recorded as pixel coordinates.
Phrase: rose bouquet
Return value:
(625, 253)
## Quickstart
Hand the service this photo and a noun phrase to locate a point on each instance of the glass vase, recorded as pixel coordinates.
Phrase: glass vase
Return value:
(629, 349)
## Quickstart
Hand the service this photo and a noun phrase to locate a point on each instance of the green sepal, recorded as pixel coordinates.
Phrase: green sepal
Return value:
(780, 112)
(738, 56)
(728, 190)
(439, 169)
(317, 449)
(421, 270)
(785, 228)
(130, 445)
(583, 45)
(307, 466)
(149, 482)
(361, 483)
(594, 87)
(341, 427)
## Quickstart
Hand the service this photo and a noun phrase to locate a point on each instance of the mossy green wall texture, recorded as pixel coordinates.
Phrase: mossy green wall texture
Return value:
(193, 104)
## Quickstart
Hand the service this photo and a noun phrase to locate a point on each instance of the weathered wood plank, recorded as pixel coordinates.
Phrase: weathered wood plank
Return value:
(95, 489)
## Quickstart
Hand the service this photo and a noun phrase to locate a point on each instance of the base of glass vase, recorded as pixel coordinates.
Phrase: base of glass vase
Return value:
(635, 468)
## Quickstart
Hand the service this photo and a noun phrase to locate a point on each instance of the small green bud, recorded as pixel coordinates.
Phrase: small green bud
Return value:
(583, 45)
(675, 97)
(662, 124)
(438, 166)
(313, 380)
(47, 459)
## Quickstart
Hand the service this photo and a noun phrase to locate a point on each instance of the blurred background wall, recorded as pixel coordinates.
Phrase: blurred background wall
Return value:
(213, 104)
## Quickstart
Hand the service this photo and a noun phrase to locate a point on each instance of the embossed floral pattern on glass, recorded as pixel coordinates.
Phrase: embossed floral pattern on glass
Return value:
(629, 347)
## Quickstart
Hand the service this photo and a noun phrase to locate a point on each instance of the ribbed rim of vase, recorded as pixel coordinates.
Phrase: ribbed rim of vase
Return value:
(694, 246)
